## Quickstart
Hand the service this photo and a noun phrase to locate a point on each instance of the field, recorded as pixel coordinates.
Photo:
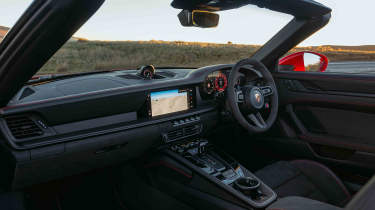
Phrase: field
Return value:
(344, 53)
(83, 56)
(94, 55)
(3, 31)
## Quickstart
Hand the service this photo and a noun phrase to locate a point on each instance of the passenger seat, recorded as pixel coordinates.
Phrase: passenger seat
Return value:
(307, 179)
(363, 200)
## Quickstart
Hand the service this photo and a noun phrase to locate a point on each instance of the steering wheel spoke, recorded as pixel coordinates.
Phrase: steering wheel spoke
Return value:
(240, 96)
(266, 90)
(258, 120)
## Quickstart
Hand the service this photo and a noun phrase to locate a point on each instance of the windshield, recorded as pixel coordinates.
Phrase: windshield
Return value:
(127, 34)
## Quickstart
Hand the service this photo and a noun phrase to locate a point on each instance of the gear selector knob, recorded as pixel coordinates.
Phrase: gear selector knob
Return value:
(247, 185)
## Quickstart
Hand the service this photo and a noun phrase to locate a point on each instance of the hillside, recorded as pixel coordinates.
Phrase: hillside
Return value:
(342, 47)
(96, 55)
(344, 53)
(80, 54)
(3, 31)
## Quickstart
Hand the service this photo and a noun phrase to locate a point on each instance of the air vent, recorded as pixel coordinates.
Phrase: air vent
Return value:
(182, 133)
(174, 135)
(26, 93)
(130, 76)
(23, 127)
(192, 130)
(166, 74)
(159, 75)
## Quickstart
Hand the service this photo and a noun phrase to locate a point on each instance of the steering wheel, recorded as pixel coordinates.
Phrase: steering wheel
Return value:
(247, 101)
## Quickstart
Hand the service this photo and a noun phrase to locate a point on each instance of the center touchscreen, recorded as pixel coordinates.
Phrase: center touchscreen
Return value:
(170, 101)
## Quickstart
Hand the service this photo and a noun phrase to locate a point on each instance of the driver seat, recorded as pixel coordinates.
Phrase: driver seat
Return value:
(305, 178)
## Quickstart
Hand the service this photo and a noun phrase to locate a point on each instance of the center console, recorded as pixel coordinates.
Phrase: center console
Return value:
(190, 168)
(224, 171)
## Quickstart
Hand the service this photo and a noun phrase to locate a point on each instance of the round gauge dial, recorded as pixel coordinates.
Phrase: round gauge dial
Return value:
(209, 86)
(221, 82)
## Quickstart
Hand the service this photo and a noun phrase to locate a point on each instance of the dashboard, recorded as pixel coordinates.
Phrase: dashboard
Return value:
(99, 120)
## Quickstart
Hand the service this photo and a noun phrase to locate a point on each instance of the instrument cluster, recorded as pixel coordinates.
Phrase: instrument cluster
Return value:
(215, 83)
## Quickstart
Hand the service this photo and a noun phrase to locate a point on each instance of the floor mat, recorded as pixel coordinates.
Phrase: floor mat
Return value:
(94, 192)
(12, 201)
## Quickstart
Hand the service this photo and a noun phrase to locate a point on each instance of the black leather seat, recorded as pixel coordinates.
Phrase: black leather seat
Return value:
(306, 179)
(300, 203)
(363, 200)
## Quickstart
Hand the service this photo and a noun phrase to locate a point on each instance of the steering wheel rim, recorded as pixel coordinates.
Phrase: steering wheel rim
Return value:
(260, 125)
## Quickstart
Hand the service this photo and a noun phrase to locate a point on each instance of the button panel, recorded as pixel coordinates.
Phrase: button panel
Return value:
(186, 120)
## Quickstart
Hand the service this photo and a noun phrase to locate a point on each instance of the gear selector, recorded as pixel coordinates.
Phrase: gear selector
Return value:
(223, 170)
(248, 186)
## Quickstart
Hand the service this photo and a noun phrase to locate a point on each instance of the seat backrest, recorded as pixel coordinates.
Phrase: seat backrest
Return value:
(365, 198)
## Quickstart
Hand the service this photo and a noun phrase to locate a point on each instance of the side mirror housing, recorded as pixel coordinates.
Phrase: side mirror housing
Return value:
(198, 18)
(304, 61)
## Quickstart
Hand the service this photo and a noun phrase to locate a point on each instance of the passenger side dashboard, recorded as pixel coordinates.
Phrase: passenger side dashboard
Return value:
(49, 139)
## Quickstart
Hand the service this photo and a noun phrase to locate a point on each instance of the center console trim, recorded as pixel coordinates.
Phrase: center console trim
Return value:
(230, 190)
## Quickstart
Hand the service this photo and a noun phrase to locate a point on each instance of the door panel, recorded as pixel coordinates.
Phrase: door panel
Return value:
(339, 123)
(333, 113)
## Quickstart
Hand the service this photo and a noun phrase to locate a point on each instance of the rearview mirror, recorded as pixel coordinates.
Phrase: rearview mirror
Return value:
(198, 18)
(304, 61)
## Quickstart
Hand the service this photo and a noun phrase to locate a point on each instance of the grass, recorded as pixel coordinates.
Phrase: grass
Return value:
(83, 56)
(94, 55)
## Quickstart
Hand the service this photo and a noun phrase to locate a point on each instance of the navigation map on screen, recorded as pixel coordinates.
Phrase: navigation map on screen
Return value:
(170, 101)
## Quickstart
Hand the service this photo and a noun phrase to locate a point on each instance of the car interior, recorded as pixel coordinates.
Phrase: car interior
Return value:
(249, 135)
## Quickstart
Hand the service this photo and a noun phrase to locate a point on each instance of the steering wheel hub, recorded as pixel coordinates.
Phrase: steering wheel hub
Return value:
(256, 98)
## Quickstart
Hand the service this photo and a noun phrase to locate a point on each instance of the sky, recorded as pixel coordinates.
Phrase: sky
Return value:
(351, 23)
